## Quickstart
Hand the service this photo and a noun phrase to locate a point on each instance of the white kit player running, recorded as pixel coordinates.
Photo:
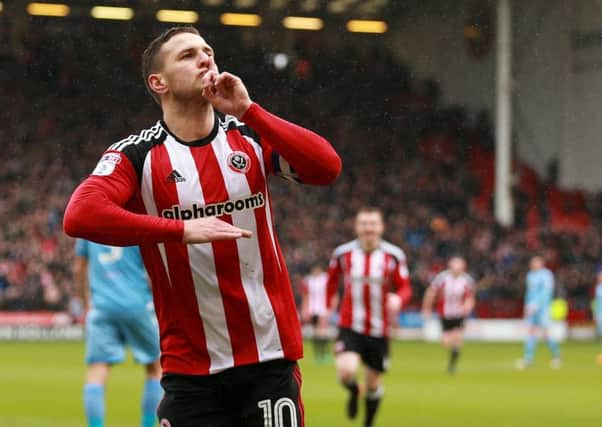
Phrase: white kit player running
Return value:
(454, 289)
(314, 310)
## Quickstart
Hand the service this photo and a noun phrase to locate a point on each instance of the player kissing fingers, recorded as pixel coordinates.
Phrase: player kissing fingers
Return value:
(226, 92)
(208, 83)
(226, 81)
(205, 230)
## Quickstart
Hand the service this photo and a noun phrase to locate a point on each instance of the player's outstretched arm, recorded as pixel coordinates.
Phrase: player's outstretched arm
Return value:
(312, 157)
(96, 211)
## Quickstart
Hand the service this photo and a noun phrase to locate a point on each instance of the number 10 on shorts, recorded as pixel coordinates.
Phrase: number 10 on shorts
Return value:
(274, 417)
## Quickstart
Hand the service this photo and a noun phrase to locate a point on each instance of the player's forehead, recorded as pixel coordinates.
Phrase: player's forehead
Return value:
(369, 217)
(182, 42)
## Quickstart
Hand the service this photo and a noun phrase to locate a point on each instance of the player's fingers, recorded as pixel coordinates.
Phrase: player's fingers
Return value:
(246, 233)
(208, 93)
(208, 79)
(226, 79)
(225, 227)
(241, 232)
(231, 235)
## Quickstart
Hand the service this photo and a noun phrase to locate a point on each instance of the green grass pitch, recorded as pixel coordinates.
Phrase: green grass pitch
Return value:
(40, 386)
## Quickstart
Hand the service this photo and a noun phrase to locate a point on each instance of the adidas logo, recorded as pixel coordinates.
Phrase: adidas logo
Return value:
(175, 176)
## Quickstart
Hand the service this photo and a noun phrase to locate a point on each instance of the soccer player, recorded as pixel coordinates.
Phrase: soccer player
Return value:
(120, 312)
(314, 310)
(538, 297)
(454, 289)
(376, 282)
(192, 191)
(598, 305)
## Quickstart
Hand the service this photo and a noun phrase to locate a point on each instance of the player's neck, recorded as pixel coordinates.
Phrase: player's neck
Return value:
(189, 121)
(369, 246)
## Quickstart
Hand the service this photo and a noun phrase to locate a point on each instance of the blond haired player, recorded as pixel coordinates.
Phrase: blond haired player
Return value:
(376, 282)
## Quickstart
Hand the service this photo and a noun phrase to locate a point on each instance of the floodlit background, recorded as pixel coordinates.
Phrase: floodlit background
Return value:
(426, 101)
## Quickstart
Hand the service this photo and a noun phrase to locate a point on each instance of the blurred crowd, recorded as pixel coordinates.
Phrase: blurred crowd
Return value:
(70, 94)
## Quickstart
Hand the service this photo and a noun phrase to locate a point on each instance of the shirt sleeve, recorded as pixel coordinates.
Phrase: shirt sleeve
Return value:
(401, 281)
(292, 151)
(437, 282)
(304, 286)
(470, 287)
(530, 294)
(334, 277)
(547, 291)
(97, 209)
(278, 166)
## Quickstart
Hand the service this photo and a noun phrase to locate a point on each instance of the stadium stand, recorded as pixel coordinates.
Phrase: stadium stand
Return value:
(428, 165)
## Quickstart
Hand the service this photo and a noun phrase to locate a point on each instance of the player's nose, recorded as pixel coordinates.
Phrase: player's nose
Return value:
(204, 60)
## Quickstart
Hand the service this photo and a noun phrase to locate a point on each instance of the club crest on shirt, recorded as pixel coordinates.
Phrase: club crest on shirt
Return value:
(239, 162)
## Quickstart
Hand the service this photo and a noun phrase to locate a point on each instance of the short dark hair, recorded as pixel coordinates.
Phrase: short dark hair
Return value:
(150, 57)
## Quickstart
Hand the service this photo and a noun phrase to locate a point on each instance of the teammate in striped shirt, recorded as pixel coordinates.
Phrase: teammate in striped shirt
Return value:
(376, 283)
(192, 191)
(314, 310)
(538, 298)
(454, 290)
(119, 311)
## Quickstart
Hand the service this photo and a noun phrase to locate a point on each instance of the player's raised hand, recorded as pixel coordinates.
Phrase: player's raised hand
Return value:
(226, 92)
(204, 230)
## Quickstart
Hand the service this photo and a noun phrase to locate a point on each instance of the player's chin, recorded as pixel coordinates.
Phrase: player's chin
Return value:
(196, 94)
(190, 97)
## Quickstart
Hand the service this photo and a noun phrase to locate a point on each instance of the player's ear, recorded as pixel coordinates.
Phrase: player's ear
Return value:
(157, 83)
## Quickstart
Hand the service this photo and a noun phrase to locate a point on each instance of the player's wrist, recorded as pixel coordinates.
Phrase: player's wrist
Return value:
(243, 109)
(251, 113)
(186, 232)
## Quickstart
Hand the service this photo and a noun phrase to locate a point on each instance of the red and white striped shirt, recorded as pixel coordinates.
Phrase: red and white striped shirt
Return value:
(221, 304)
(452, 292)
(367, 278)
(315, 291)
